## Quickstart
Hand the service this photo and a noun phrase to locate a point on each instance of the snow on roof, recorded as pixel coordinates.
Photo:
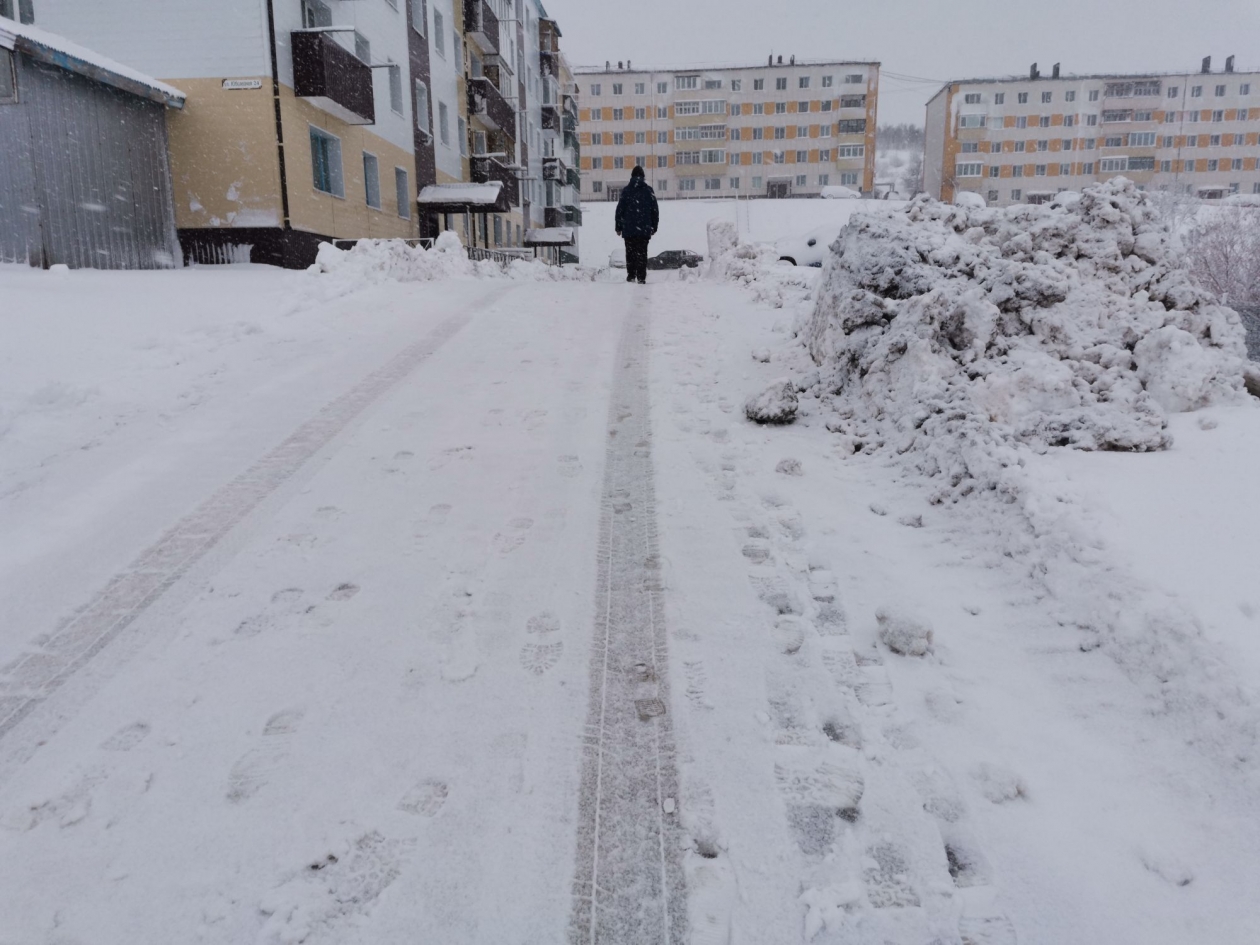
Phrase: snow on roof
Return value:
(58, 51)
(704, 66)
(475, 195)
(550, 236)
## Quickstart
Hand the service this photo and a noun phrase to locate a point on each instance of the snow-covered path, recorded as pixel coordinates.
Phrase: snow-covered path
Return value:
(401, 577)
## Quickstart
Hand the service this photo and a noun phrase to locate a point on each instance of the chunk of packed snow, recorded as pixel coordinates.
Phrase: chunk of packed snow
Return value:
(776, 404)
(998, 784)
(790, 467)
(959, 333)
(902, 633)
(971, 201)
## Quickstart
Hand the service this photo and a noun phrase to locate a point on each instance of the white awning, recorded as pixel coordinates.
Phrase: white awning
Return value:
(551, 236)
(471, 196)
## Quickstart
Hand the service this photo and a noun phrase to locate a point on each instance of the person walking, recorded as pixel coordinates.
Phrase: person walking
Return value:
(638, 217)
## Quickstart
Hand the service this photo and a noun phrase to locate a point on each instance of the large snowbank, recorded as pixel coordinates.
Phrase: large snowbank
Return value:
(958, 332)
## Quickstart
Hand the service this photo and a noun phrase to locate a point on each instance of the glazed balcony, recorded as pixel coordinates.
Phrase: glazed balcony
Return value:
(487, 103)
(485, 170)
(481, 26)
(332, 78)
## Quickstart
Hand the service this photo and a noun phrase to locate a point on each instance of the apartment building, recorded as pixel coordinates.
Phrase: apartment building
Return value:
(311, 120)
(775, 130)
(1022, 140)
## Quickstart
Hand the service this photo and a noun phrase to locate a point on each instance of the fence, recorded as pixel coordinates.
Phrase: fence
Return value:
(424, 242)
(504, 257)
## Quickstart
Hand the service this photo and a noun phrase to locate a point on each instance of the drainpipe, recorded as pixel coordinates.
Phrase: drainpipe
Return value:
(275, 95)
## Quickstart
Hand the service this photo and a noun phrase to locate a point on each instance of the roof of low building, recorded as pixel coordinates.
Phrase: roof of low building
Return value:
(550, 236)
(58, 51)
(461, 195)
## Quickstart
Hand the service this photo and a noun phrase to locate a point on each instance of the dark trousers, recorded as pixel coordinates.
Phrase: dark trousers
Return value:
(636, 257)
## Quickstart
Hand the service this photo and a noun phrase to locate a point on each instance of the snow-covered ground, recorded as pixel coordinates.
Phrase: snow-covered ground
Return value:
(331, 607)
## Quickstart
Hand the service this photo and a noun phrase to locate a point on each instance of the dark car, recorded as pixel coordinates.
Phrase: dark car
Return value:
(675, 259)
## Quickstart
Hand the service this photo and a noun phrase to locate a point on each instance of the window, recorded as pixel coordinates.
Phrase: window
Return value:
(967, 121)
(1017, 194)
(372, 180)
(1047, 98)
(597, 137)
(419, 16)
(713, 183)
(1236, 165)
(734, 183)
(687, 183)
(1065, 169)
(662, 88)
(1192, 141)
(851, 151)
(1141, 164)
(619, 137)
(687, 108)
(780, 108)
(314, 14)
(854, 78)
(1066, 144)
(439, 33)
(444, 124)
(1023, 98)
(1220, 91)
(1165, 167)
(640, 88)
(855, 126)
(712, 156)
(662, 137)
(1116, 142)
(1244, 89)
(619, 164)
(663, 184)
(619, 114)
(685, 83)
(803, 82)
(758, 158)
(1143, 116)
(1145, 139)
(713, 108)
(396, 89)
(849, 179)
(999, 98)
(597, 164)
(828, 81)
(362, 48)
(971, 147)
(824, 131)
(1021, 121)
(1196, 91)
(971, 98)
(617, 87)
(1114, 165)
(826, 105)
(1021, 146)
(756, 182)
(1043, 145)
(662, 111)
(1218, 115)
(780, 134)
(1069, 121)
(640, 137)
(995, 171)
(853, 101)
(1069, 96)
(597, 114)
(737, 85)
(686, 157)
(759, 85)
(780, 84)
(1044, 121)
(462, 127)
(712, 83)
(779, 157)
(802, 106)
(1093, 95)
(8, 85)
(1091, 120)
(662, 160)
(1017, 170)
(970, 170)
(758, 134)
(326, 163)
(802, 180)
(1214, 165)
(402, 193)
(597, 89)
(802, 157)
(759, 109)
(824, 156)
(422, 107)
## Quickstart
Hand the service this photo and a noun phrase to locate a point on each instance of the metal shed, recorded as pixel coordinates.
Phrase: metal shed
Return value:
(85, 175)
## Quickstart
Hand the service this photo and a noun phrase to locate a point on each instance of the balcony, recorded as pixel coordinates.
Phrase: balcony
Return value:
(481, 26)
(332, 78)
(550, 118)
(557, 166)
(487, 169)
(486, 103)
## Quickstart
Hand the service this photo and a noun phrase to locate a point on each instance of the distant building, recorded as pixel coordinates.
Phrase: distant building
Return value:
(777, 130)
(1022, 140)
(84, 174)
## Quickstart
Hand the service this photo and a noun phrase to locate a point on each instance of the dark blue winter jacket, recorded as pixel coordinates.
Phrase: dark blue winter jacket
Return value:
(637, 213)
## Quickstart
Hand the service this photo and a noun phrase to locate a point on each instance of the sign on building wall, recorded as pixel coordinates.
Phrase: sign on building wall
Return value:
(242, 85)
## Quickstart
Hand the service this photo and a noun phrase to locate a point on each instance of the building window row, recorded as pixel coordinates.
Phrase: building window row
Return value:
(692, 83)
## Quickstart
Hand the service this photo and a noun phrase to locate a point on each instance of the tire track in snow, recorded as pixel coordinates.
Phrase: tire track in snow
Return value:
(629, 887)
(54, 658)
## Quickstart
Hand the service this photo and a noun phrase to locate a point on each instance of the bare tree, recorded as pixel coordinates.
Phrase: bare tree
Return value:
(1224, 254)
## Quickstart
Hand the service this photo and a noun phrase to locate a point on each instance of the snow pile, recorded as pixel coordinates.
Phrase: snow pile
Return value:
(776, 404)
(902, 634)
(960, 333)
(756, 266)
(372, 261)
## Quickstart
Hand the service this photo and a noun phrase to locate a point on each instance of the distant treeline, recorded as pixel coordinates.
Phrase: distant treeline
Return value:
(900, 138)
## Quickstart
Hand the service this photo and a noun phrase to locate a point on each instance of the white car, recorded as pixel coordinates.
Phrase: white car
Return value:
(836, 192)
(807, 250)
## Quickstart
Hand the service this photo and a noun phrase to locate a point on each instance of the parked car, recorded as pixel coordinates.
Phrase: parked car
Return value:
(675, 259)
(809, 249)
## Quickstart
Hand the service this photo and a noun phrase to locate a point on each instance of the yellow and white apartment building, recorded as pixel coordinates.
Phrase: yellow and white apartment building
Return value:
(1022, 140)
(776, 130)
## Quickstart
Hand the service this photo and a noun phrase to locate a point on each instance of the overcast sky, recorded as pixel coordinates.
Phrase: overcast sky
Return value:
(928, 39)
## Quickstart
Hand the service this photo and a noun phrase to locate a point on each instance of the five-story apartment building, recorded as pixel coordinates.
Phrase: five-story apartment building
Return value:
(1022, 140)
(776, 130)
